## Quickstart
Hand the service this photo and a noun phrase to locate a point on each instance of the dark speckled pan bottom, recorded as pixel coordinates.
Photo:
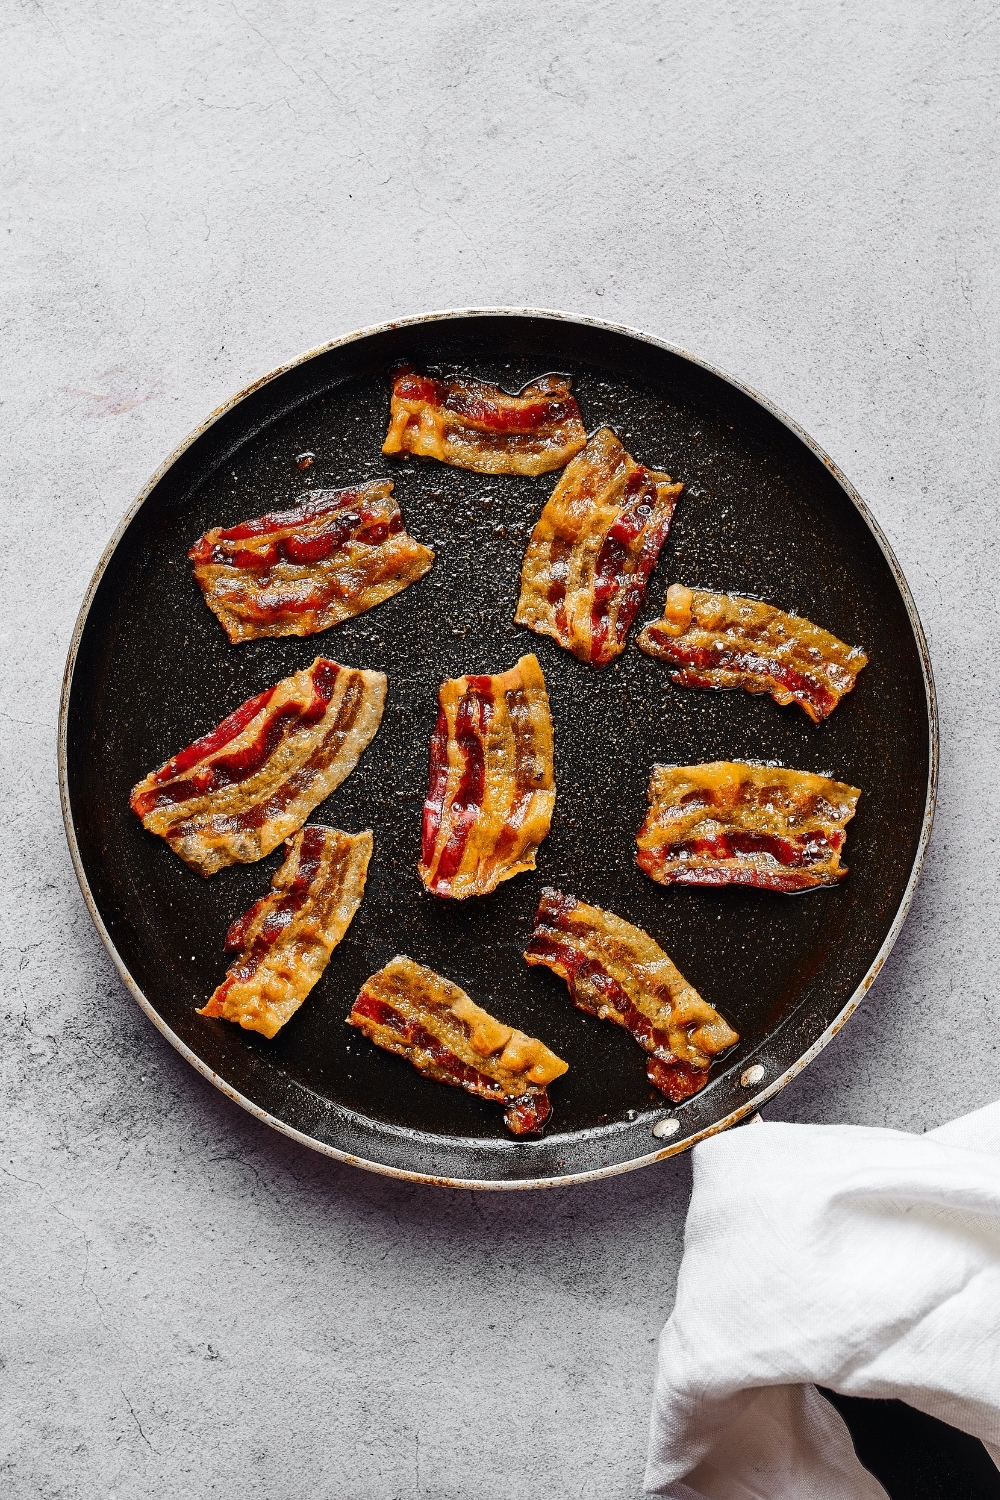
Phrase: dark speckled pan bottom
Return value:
(762, 514)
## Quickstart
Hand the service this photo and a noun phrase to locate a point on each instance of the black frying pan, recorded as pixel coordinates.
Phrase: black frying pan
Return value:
(763, 513)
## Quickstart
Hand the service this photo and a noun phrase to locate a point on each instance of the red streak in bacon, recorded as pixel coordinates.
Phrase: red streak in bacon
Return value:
(529, 1114)
(362, 525)
(793, 852)
(559, 577)
(524, 1115)
(635, 585)
(412, 1034)
(483, 410)
(216, 738)
(302, 778)
(678, 1080)
(759, 877)
(612, 578)
(262, 611)
(278, 917)
(721, 658)
(520, 719)
(472, 718)
(437, 786)
(236, 936)
(671, 1075)
(279, 520)
(409, 387)
(229, 770)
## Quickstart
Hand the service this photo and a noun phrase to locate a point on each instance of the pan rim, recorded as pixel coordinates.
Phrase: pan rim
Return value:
(754, 1103)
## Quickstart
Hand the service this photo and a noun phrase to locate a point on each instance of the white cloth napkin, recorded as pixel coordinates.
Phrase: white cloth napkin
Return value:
(863, 1260)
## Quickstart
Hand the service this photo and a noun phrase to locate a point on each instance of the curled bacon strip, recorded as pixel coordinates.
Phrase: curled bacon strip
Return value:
(408, 1009)
(285, 940)
(295, 572)
(723, 641)
(727, 823)
(475, 425)
(593, 548)
(616, 971)
(492, 788)
(232, 796)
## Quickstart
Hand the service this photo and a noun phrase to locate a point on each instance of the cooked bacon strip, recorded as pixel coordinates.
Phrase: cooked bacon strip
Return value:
(285, 940)
(492, 789)
(413, 1012)
(475, 425)
(295, 572)
(617, 972)
(727, 823)
(232, 796)
(723, 641)
(593, 548)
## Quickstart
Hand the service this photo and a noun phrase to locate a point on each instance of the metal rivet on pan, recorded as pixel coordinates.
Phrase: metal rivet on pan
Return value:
(666, 1127)
(752, 1075)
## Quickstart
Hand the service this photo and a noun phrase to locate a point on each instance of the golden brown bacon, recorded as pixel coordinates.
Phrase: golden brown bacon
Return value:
(617, 972)
(727, 823)
(475, 425)
(295, 572)
(590, 555)
(232, 796)
(492, 788)
(285, 940)
(413, 1012)
(723, 641)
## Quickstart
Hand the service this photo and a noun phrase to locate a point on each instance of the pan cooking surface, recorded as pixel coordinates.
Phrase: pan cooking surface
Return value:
(761, 514)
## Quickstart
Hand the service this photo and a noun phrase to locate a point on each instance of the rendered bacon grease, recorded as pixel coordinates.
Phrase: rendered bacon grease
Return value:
(593, 548)
(295, 572)
(723, 641)
(728, 823)
(414, 1012)
(616, 971)
(475, 425)
(236, 793)
(492, 787)
(285, 940)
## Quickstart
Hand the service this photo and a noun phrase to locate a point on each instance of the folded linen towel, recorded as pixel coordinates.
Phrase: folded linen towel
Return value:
(863, 1260)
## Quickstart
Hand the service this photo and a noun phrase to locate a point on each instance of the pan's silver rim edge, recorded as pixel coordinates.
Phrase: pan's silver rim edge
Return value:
(751, 1105)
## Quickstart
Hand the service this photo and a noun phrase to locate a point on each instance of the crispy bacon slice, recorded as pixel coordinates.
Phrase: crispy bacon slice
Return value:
(727, 823)
(410, 1010)
(723, 641)
(475, 425)
(616, 971)
(295, 572)
(492, 788)
(232, 796)
(591, 553)
(285, 940)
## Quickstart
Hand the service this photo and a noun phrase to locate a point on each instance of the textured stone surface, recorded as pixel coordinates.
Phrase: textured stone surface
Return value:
(806, 195)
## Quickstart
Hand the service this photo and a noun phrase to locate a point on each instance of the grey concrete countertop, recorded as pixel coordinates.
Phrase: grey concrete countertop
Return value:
(804, 194)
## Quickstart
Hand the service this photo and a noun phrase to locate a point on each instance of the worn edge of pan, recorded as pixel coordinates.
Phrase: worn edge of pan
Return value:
(758, 1099)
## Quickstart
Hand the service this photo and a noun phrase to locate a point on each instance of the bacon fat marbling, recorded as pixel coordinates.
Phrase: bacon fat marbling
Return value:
(296, 572)
(474, 425)
(729, 823)
(285, 940)
(593, 548)
(491, 786)
(236, 793)
(410, 1010)
(616, 971)
(724, 641)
